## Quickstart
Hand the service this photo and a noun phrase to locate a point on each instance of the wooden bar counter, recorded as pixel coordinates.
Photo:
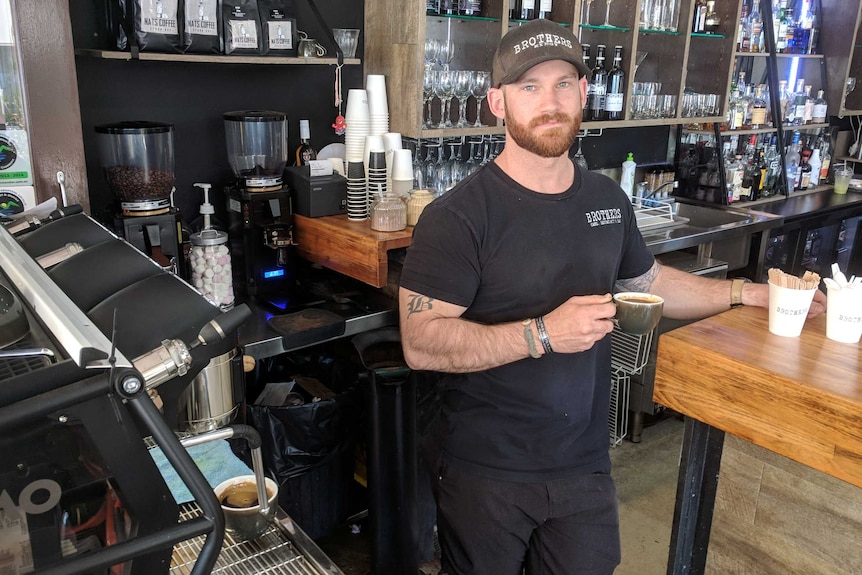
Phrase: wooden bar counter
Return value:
(798, 397)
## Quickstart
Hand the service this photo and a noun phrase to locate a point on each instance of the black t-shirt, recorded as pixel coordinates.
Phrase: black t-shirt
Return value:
(507, 253)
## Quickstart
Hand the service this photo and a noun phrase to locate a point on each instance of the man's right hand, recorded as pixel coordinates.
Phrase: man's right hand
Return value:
(580, 322)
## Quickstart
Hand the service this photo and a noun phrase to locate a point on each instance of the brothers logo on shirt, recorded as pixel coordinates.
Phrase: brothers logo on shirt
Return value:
(604, 217)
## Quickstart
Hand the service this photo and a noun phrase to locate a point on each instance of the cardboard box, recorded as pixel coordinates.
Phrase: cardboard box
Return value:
(318, 196)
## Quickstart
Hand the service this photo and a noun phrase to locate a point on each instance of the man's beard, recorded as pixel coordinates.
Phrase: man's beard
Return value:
(552, 143)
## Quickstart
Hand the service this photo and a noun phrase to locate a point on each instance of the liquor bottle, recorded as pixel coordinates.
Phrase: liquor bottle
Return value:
(758, 109)
(615, 87)
(782, 101)
(545, 7)
(780, 28)
(808, 110)
(815, 161)
(527, 10)
(470, 7)
(514, 10)
(818, 116)
(790, 30)
(734, 112)
(792, 159)
(825, 162)
(762, 167)
(742, 40)
(804, 170)
(755, 21)
(712, 20)
(304, 152)
(449, 7)
(799, 101)
(598, 85)
(700, 10)
(773, 168)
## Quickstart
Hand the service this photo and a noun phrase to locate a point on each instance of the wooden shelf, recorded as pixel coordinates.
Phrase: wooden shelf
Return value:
(210, 58)
(759, 130)
(349, 247)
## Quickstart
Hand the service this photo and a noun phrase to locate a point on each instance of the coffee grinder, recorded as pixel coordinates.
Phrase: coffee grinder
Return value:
(137, 160)
(259, 210)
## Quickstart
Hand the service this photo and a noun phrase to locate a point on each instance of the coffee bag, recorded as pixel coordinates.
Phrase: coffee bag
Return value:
(202, 27)
(158, 25)
(241, 27)
(278, 24)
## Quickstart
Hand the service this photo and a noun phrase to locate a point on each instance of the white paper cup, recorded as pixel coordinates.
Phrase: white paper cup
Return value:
(375, 85)
(844, 315)
(788, 309)
(402, 165)
(357, 106)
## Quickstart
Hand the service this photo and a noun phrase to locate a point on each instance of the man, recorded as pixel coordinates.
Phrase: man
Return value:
(506, 290)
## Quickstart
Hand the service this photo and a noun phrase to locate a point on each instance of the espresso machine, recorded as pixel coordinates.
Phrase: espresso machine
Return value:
(137, 160)
(259, 210)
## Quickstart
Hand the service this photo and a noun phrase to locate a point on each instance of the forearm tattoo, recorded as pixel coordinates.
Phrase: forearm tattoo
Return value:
(417, 303)
(642, 283)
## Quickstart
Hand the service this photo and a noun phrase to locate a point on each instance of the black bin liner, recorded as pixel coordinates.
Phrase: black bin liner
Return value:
(309, 450)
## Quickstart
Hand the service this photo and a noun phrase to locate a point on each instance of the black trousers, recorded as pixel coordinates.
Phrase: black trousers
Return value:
(562, 527)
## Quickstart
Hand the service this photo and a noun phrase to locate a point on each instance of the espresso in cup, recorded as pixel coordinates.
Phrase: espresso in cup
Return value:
(638, 313)
(239, 503)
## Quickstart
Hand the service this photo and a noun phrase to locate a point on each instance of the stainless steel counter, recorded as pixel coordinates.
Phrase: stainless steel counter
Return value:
(703, 224)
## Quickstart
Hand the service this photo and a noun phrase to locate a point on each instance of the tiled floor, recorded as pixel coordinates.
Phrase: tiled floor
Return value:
(645, 474)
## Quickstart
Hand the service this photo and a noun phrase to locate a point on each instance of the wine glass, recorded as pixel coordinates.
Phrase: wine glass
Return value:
(445, 90)
(607, 21)
(463, 84)
(429, 166)
(432, 48)
(427, 96)
(641, 56)
(479, 88)
(585, 15)
(446, 53)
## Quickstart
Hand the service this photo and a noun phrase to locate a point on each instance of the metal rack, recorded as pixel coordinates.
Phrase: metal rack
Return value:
(629, 355)
(656, 213)
(282, 549)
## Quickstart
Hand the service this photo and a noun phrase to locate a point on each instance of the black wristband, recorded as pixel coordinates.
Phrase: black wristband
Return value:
(543, 335)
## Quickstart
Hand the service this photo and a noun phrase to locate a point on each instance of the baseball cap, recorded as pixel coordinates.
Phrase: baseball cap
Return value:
(532, 43)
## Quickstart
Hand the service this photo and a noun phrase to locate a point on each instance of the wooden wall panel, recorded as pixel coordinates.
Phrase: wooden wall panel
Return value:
(51, 96)
(776, 516)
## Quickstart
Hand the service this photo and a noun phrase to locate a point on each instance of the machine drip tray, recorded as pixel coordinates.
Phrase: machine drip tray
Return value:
(283, 549)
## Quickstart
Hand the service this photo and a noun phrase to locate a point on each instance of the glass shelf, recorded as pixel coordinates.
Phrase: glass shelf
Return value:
(664, 32)
(519, 22)
(597, 27)
(462, 17)
(705, 35)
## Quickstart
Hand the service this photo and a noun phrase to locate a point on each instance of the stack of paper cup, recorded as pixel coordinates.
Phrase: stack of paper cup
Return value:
(378, 106)
(371, 143)
(358, 125)
(376, 176)
(357, 195)
(391, 142)
(402, 173)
